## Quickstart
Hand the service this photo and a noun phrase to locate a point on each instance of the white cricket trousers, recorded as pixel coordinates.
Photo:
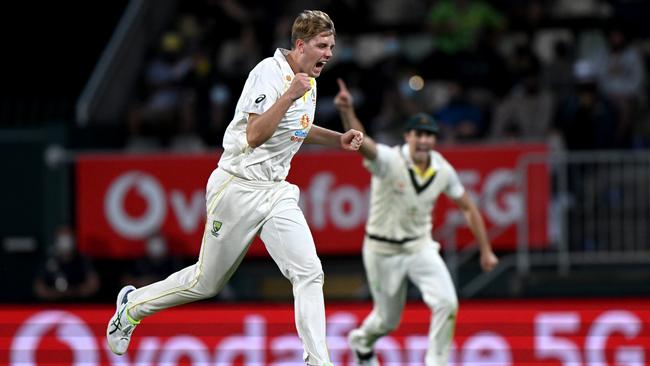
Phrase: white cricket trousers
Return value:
(237, 210)
(387, 278)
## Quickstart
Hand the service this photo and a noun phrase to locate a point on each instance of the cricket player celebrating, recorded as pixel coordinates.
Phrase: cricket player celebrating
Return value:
(406, 181)
(247, 194)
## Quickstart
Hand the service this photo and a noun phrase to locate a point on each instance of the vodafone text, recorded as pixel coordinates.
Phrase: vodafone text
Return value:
(573, 335)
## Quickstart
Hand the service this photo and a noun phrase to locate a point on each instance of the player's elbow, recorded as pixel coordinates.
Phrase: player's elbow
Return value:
(255, 134)
(253, 139)
(252, 142)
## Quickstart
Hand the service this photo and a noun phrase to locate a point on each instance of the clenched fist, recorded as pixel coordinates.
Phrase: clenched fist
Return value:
(300, 84)
(352, 140)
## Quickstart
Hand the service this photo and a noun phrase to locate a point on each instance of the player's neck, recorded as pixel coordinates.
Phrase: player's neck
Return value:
(423, 166)
(292, 62)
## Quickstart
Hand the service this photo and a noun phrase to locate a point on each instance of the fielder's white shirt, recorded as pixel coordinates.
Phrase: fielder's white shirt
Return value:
(402, 201)
(271, 160)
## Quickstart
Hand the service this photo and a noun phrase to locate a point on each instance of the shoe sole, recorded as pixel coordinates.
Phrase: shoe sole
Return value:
(120, 296)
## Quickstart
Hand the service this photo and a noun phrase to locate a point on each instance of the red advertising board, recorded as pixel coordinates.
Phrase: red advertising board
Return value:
(122, 199)
(504, 333)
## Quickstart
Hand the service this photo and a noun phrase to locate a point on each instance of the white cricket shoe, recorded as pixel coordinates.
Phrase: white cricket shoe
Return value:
(362, 355)
(120, 327)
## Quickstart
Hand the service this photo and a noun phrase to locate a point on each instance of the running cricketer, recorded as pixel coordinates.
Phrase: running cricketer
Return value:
(247, 193)
(406, 182)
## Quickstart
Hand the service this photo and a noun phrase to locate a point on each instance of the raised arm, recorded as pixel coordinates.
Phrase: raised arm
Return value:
(476, 224)
(260, 127)
(345, 105)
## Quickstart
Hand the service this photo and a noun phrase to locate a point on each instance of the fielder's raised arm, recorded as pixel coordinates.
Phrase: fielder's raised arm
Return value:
(345, 105)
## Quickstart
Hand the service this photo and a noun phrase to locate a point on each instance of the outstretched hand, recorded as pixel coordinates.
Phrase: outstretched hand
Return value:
(343, 100)
(351, 140)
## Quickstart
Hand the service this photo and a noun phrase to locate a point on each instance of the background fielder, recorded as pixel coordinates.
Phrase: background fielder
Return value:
(406, 182)
(247, 194)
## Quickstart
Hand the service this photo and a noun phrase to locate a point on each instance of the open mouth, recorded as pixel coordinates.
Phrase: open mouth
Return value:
(320, 64)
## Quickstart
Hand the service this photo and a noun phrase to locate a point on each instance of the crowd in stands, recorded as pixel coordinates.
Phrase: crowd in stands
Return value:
(567, 72)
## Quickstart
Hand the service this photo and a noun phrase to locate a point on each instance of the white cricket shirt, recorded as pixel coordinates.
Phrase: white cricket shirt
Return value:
(271, 160)
(402, 200)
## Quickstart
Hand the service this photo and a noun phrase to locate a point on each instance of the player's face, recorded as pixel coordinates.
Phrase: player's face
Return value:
(420, 144)
(315, 53)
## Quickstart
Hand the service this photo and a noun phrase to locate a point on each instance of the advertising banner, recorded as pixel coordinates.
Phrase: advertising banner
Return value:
(504, 333)
(122, 199)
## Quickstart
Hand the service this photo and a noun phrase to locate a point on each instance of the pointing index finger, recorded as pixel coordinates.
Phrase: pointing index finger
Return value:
(342, 85)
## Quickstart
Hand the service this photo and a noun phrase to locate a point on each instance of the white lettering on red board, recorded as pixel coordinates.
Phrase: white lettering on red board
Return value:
(555, 340)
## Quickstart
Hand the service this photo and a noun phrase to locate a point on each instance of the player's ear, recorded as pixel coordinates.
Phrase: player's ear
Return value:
(300, 45)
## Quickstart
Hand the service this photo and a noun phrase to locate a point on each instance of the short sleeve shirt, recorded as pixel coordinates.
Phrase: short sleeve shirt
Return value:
(271, 160)
(402, 200)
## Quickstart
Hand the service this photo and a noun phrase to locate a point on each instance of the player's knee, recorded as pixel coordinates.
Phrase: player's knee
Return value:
(445, 304)
(210, 292)
(310, 275)
(316, 277)
(206, 288)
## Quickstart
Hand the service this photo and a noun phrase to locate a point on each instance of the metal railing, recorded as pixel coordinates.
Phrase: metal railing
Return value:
(599, 210)
(598, 214)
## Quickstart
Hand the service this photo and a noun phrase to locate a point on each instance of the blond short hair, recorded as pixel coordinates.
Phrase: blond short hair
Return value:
(309, 24)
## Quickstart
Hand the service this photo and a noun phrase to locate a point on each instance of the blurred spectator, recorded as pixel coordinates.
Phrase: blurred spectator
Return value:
(457, 23)
(239, 55)
(621, 77)
(580, 8)
(484, 67)
(394, 108)
(525, 114)
(396, 13)
(220, 114)
(522, 62)
(557, 75)
(527, 15)
(67, 274)
(155, 266)
(168, 104)
(460, 120)
(586, 119)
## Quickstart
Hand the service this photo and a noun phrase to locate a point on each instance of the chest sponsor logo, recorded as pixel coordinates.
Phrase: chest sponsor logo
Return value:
(299, 136)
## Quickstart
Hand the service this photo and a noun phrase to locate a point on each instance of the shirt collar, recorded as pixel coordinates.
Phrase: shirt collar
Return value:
(280, 56)
(407, 154)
